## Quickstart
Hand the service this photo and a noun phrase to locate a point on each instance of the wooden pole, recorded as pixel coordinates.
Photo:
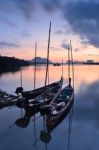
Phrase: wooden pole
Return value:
(69, 64)
(47, 65)
(72, 63)
(21, 77)
(62, 68)
(35, 66)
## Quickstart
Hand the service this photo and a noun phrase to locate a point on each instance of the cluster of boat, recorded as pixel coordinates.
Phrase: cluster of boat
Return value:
(51, 100)
(54, 103)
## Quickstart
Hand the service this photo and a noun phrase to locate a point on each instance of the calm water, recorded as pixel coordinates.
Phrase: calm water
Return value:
(85, 125)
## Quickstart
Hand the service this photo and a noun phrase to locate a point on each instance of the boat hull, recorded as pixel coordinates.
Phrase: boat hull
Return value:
(53, 121)
(34, 93)
(59, 107)
(43, 99)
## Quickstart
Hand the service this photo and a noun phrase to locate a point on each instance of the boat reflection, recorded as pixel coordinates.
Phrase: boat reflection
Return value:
(45, 136)
(45, 133)
(23, 122)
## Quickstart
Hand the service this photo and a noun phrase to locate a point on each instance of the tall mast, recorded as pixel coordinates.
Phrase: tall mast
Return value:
(21, 77)
(35, 65)
(69, 65)
(62, 68)
(72, 63)
(34, 89)
(47, 65)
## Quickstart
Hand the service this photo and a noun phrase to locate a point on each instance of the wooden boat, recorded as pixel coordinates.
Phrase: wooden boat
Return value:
(34, 93)
(59, 107)
(56, 64)
(62, 103)
(42, 99)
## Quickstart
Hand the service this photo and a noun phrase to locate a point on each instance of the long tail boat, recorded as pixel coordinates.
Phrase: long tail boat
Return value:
(34, 93)
(61, 105)
(42, 99)
(38, 97)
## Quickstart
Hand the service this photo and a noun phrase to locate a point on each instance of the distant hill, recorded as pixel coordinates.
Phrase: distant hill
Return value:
(40, 60)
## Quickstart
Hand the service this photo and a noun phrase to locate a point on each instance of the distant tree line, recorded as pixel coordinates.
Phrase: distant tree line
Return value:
(11, 63)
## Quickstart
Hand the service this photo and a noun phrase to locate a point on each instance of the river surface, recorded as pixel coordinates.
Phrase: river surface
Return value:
(84, 133)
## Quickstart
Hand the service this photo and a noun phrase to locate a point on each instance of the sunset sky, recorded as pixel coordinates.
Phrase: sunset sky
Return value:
(24, 22)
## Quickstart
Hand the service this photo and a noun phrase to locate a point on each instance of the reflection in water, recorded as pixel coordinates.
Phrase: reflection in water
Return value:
(45, 136)
(81, 76)
(45, 133)
(85, 121)
(23, 122)
(35, 132)
(13, 71)
(87, 107)
(70, 128)
(85, 125)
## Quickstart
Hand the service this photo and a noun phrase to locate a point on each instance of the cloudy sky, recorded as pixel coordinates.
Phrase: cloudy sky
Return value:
(24, 22)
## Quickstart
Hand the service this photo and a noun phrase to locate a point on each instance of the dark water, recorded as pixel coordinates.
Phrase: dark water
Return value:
(30, 135)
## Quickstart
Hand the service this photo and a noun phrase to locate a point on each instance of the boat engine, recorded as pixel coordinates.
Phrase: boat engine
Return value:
(19, 90)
